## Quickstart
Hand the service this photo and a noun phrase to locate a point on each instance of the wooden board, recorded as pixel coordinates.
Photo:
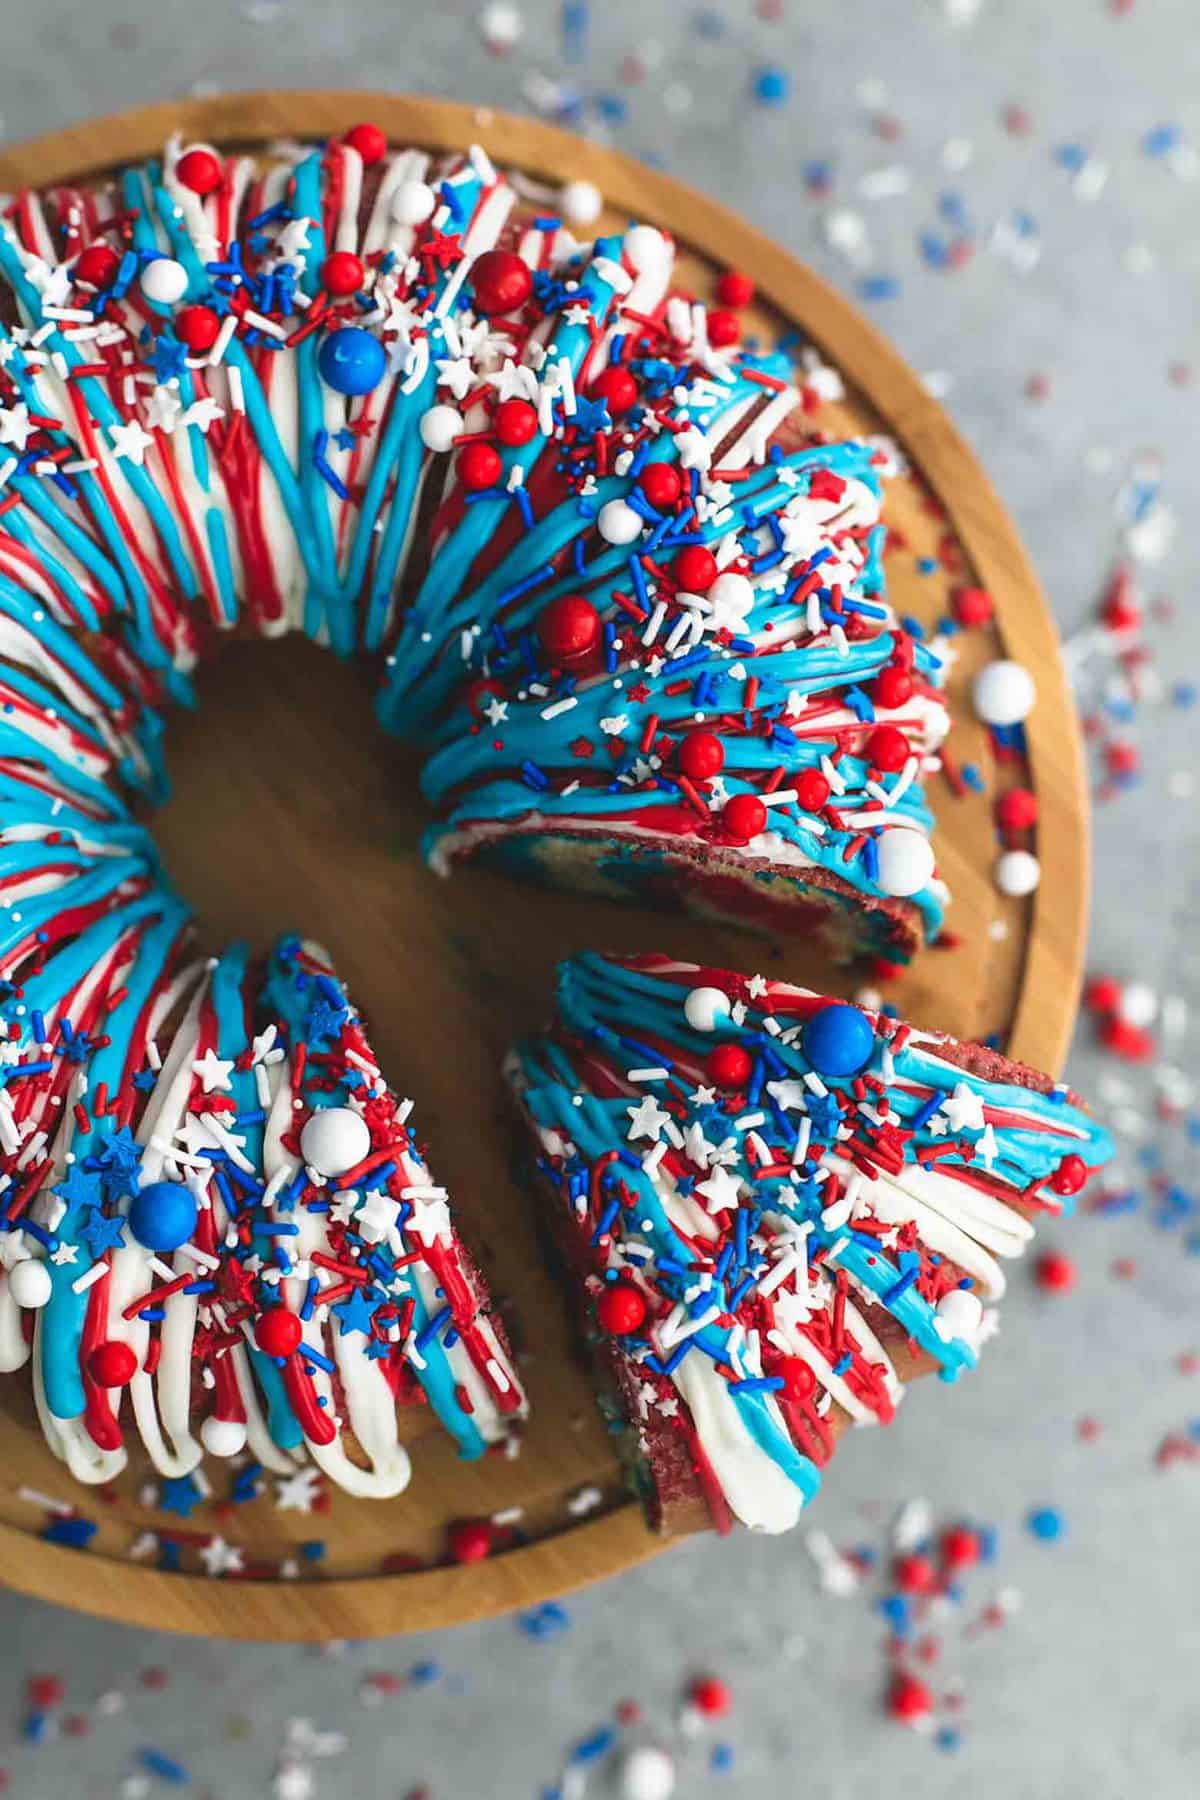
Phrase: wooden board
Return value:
(290, 810)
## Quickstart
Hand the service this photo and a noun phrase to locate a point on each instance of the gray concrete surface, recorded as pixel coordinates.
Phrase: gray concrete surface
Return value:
(1088, 1689)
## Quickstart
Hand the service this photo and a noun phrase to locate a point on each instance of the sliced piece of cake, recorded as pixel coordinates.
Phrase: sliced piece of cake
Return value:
(779, 1208)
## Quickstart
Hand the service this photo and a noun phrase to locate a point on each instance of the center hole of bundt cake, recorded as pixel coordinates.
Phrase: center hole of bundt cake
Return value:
(291, 809)
(289, 806)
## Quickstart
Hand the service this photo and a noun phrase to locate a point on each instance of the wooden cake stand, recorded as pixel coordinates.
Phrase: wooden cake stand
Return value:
(292, 811)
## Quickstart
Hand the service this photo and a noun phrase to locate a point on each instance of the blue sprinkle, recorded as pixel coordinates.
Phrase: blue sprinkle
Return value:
(165, 1767)
(546, 1621)
(75, 1534)
(1161, 140)
(591, 1749)
(1046, 1523)
(771, 85)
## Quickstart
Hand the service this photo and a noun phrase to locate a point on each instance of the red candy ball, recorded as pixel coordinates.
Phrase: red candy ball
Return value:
(798, 1379)
(1070, 1175)
(812, 789)
(891, 688)
(342, 273)
(569, 627)
(887, 749)
(913, 1574)
(112, 1365)
(1017, 810)
(710, 1696)
(1102, 994)
(515, 422)
(469, 1541)
(729, 1066)
(735, 289)
(479, 466)
(369, 141)
(701, 755)
(960, 1546)
(1055, 1272)
(972, 606)
(723, 329)
(45, 1691)
(617, 388)
(198, 327)
(200, 171)
(662, 484)
(695, 569)
(97, 265)
(909, 1698)
(501, 282)
(743, 817)
(621, 1309)
(278, 1332)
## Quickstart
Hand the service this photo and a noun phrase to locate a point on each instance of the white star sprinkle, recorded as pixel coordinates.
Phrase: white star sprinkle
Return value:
(647, 1119)
(721, 1189)
(214, 1071)
(130, 443)
(15, 426)
(298, 1492)
(964, 1109)
(220, 1558)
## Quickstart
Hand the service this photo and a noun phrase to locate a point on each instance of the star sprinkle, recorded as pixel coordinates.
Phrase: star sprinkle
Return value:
(214, 1071)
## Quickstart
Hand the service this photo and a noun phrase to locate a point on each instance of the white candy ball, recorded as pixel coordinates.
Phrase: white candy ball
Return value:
(1138, 1005)
(1004, 693)
(164, 280)
(29, 1283)
(334, 1140)
(500, 25)
(705, 1008)
(732, 594)
(619, 524)
(581, 202)
(960, 1313)
(905, 861)
(413, 202)
(647, 249)
(1017, 872)
(440, 426)
(647, 1773)
(223, 1437)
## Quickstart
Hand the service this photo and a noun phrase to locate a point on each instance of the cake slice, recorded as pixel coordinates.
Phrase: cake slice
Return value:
(653, 658)
(778, 1208)
(220, 1232)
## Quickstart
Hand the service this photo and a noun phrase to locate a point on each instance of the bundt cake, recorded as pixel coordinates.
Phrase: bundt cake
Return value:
(629, 605)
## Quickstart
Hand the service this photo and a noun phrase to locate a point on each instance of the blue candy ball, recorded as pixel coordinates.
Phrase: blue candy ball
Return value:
(352, 361)
(163, 1215)
(838, 1040)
